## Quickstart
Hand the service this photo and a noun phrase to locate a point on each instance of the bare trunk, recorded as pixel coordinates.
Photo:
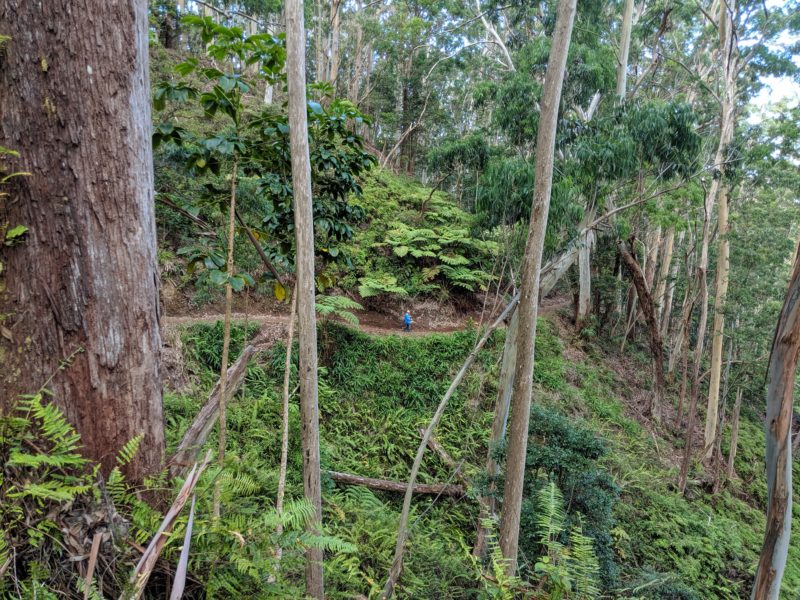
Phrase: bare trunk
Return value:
(82, 286)
(624, 48)
(499, 424)
(197, 434)
(333, 46)
(718, 331)
(651, 262)
(319, 45)
(666, 308)
(702, 284)
(686, 310)
(358, 59)
(529, 298)
(387, 485)
(781, 374)
(648, 308)
(307, 325)
(728, 52)
(585, 277)
(287, 373)
(737, 408)
(663, 274)
(226, 335)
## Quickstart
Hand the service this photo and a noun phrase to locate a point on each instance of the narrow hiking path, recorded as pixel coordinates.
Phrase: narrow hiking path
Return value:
(373, 322)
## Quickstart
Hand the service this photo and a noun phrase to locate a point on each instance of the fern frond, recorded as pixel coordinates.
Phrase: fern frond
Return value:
(129, 450)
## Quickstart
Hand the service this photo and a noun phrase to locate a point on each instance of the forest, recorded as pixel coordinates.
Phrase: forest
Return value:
(363, 299)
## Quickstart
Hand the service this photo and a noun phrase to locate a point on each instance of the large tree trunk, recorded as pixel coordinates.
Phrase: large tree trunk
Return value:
(307, 324)
(648, 308)
(528, 308)
(83, 284)
(781, 374)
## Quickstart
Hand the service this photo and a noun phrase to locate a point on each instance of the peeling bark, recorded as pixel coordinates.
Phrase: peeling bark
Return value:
(781, 373)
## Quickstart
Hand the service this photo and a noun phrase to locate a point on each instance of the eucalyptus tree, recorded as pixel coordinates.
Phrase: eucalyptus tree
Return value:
(305, 289)
(78, 263)
(529, 294)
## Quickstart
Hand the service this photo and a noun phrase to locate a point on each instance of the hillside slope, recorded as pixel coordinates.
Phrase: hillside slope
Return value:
(614, 470)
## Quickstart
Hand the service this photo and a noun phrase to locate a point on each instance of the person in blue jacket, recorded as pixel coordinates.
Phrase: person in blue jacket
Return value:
(407, 320)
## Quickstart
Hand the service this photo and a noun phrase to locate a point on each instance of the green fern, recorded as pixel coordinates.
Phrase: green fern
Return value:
(381, 284)
(582, 563)
(129, 450)
(338, 306)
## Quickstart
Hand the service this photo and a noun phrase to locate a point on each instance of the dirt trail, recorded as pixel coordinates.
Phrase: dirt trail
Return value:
(370, 321)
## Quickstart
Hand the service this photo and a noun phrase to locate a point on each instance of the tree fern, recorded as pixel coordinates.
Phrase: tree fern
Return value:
(338, 306)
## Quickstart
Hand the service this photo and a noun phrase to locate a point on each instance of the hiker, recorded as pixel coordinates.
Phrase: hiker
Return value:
(407, 320)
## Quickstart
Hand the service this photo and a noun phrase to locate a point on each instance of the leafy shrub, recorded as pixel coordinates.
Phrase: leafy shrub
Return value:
(569, 453)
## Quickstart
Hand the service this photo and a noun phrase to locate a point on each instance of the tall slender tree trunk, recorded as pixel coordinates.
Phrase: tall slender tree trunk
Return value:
(624, 48)
(287, 375)
(358, 58)
(663, 273)
(333, 45)
(781, 374)
(666, 306)
(718, 331)
(82, 285)
(702, 286)
(656, 349)
(532, 262)
(321, 62)
(737, 408)
(585, 277)
(307, 325)
(686, 308)
(226, 336)
(727, 122)
(499, 425)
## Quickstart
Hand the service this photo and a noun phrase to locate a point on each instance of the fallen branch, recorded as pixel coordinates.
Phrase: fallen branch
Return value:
(257, 245)
(445, 457)
(197, 434)
(387, 485)
(402, 532)
(145, 565)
